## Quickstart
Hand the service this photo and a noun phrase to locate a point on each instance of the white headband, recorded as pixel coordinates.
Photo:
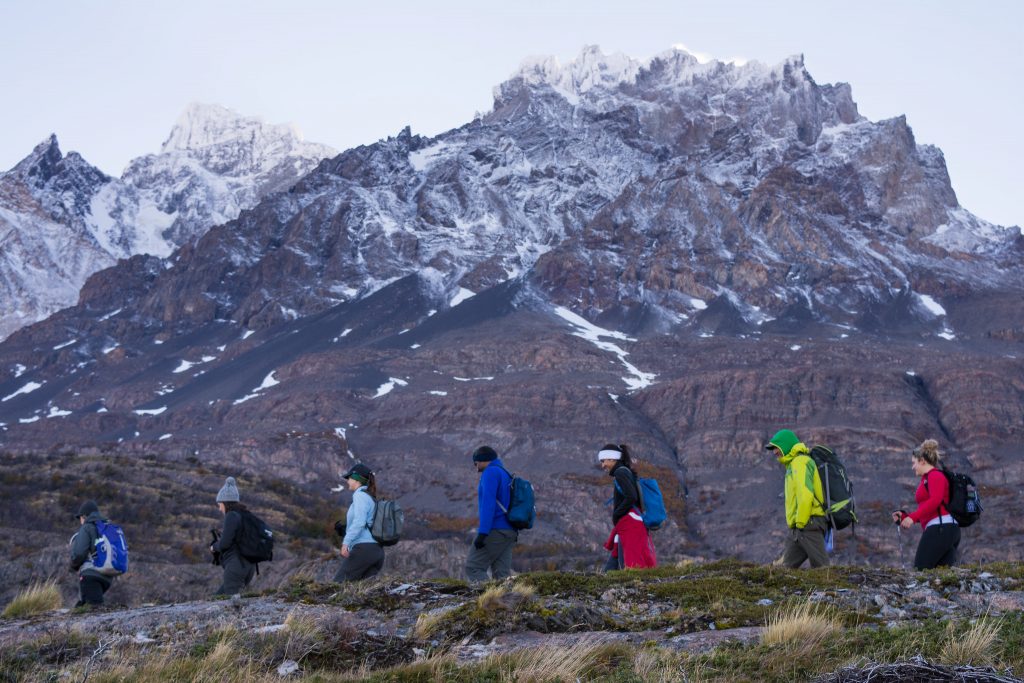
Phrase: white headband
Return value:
(609, 455)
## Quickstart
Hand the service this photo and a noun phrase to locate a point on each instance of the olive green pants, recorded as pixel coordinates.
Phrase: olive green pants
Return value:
(807, 543)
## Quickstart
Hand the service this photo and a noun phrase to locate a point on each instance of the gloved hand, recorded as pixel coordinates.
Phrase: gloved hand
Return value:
(479, 541)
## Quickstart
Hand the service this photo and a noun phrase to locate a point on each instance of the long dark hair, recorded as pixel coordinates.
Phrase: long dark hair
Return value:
(234, 506)
(371, 486)
(626, 461)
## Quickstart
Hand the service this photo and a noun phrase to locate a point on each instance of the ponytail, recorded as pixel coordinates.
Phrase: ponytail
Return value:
(371, 486)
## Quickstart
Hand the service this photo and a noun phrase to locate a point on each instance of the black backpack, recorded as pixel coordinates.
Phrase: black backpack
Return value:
(964, 502)
(839, 504)
(255, 539)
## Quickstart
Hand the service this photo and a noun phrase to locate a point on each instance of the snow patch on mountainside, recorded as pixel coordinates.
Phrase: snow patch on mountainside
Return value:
(637, 379)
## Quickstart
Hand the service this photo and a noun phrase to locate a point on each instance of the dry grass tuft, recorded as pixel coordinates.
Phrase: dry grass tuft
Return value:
(492, 598)
(506, 597)
(427, 624)
(975, 646)
(549, 663)
(36, 599)
(805, 624)
(659, 666)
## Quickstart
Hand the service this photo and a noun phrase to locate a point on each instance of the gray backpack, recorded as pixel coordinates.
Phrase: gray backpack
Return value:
(388, 520)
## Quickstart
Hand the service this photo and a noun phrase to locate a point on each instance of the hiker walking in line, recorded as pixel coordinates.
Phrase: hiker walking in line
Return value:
(804, 514)
(941, 537)
(629, 543)
(92, 583)
(495, 536)
(363, 556)
(238, 571)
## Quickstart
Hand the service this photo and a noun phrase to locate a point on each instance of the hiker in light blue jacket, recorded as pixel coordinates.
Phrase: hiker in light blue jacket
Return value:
(364, 557)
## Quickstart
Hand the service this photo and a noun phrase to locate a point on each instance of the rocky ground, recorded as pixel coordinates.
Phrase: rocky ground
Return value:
(679, 622)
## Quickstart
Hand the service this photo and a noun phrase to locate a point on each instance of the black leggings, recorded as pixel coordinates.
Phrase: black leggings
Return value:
(937, 547)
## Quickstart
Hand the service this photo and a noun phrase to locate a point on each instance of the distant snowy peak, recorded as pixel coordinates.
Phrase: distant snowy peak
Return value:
(593, 71)
(62, 219)
(203, 125)
(42, 163)
(223, 140)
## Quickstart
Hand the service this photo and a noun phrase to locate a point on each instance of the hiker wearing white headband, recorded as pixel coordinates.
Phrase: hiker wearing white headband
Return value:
(629, 543)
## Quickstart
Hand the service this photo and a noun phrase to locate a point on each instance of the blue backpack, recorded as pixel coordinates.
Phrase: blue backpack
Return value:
(521, 510)
(111, 551)
(652, 503)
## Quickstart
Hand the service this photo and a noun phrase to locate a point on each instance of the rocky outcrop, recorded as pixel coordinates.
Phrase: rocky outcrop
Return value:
(308, 628)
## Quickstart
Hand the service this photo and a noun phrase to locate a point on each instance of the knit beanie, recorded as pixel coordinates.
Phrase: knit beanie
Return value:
(484, 454)
(88, 507)
(229, 492)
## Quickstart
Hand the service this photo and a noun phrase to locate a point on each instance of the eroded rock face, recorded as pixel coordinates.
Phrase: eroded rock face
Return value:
(756, 254)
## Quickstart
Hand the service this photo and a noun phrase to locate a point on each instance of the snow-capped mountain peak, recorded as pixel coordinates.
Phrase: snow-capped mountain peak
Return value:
(41, 163)
(591, 69)
(68, 219)
(203, 125)
(227, 143)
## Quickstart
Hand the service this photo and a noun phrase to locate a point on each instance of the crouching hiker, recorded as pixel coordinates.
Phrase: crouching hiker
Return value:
(363, 556)
(238, 571)
(495, 536)
(941, 537)
(99, 552)
(805, 515)
(629, 543)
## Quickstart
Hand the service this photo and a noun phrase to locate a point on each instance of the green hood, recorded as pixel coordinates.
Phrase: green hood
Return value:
(787, 443)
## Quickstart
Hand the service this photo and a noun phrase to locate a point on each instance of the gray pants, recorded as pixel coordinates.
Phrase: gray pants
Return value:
(238, 573)
(496, 555)
(807, 543)
(364, 560)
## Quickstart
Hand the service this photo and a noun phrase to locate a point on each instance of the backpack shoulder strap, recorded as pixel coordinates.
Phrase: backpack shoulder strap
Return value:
(949, 491)
(497, 496)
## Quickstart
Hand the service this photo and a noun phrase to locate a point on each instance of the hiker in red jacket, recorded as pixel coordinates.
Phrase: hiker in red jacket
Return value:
(629, 542)
(941, 536)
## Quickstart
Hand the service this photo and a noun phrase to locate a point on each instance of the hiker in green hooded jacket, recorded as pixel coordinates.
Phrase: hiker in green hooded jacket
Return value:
(804, 514)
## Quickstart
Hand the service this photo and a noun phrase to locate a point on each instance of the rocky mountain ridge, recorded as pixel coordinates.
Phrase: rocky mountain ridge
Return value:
(63, 220)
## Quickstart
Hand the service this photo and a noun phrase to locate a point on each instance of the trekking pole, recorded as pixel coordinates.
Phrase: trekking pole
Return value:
(899, 537)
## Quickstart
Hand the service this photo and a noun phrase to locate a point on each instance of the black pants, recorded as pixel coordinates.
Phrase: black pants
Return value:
(614, 562)
(938, 546)
(238, 574)
(91, 589)
(364, 560)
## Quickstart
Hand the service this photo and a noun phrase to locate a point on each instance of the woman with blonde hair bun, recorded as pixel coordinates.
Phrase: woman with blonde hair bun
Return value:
(941, 537)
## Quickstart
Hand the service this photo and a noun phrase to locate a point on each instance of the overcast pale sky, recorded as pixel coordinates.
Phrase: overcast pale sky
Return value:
(111, 78)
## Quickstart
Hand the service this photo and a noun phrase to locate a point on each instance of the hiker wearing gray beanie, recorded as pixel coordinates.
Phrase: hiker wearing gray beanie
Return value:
(238, 571)
(229, 492)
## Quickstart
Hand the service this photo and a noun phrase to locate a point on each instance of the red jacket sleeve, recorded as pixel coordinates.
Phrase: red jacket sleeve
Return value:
(938, 493)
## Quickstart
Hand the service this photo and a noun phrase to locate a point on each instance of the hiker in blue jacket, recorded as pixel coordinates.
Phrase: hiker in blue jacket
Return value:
(92, 585)
(364, 557)
(492, 547)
